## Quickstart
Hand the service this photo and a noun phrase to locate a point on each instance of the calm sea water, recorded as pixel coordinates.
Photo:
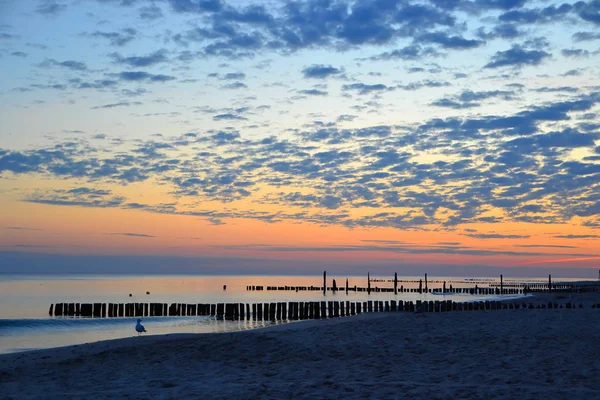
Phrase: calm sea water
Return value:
(25, 300)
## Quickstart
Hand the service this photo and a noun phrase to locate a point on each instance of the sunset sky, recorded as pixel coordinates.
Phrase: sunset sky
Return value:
(279, 136)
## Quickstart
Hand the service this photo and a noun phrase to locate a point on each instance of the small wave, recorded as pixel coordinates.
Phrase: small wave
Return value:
(21, 326)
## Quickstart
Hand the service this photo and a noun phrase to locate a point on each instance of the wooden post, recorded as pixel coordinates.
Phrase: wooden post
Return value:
(549, 283)
(368, 283)
(395, 283)
(296, 307)
(426, 283)
(324, 282)
(444, 286)
(228, 311)
(420, 285)
(334, 286)
(501, 284)
(346, 285)
(51, 309)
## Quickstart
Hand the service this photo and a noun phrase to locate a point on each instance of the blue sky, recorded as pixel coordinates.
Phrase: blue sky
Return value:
(474, 120)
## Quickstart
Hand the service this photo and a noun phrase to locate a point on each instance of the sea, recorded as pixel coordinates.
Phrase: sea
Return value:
(25, 300)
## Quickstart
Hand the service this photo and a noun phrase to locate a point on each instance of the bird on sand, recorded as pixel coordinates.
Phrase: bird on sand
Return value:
(139, 327)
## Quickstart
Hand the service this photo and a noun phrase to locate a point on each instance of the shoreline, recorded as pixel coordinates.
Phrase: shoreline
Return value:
(539, 353)
(576, 299)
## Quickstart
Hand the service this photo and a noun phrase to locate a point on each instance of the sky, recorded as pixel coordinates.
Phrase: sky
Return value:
(293, 136)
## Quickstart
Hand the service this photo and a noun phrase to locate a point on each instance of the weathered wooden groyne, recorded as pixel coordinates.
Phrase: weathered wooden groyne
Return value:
(285, 310)
(492, 288)
(471, 290)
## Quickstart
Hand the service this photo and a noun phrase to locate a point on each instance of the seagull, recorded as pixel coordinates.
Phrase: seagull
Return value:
(139, 327)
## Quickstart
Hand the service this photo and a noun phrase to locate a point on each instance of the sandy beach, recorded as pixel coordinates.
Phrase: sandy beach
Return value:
(504, 354)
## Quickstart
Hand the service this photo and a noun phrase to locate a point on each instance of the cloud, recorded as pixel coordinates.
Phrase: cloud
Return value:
(583, 36)
(20, 228)
(517, 57)
(556, 246)
(313, 92)
(150, 12)
(571, 236)
(470, 99)
(449, 42)
(69, 64)
(575, 53)
(117, 39)
(363, 88)
(234, 76)
(141, 76)
(406, 250)
(229, 117)
(120, 104)
(50, 7)
(140, 235)
(496, 236)
(157, 57)
(235, 85)
(320, 71)
(412, 52)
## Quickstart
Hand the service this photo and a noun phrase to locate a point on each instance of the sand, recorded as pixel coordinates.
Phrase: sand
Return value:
(505, 354)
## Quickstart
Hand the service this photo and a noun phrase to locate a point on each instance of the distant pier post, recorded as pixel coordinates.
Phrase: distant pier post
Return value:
(426, 283)
(324, 282)
(501, 284)
(444, 286)
(549, 283)
(346, 285)
(334, 286)
(395, 283)
(368, 283)
(420, 285)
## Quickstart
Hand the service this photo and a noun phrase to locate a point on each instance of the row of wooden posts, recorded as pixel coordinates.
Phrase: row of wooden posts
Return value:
(281, 310)
(492, 289)
(473, 290)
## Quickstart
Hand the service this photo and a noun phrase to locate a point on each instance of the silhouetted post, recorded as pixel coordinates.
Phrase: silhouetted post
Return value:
(346, 285)
(420, 285)
(51, 308)
(425, 282)
(368, 283)
(395, 283)
(501, 284)
(324, 282)
(549, 283)
(444, 286)
(334, 286)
